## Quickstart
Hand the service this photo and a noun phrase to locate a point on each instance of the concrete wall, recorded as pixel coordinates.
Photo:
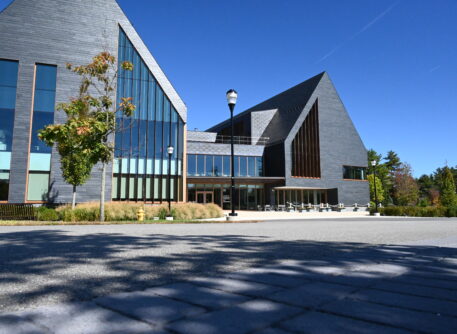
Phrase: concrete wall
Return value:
(58, 32)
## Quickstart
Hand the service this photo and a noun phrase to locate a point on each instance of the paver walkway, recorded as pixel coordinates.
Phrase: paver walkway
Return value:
(330, 295)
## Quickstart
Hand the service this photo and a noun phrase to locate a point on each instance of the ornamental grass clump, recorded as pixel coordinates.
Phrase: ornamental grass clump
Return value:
(124, 211)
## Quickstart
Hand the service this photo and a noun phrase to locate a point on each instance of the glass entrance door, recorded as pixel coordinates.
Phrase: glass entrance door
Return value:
(205, 197)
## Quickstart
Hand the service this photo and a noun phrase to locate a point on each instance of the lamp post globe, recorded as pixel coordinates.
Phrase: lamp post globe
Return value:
(232, 97)
(170, 151)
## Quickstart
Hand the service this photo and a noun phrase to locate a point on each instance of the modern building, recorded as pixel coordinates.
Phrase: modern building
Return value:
(37, 39)
(299, 146)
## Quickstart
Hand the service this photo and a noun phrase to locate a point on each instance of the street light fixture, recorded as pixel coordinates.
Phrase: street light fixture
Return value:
(170, 151)
(374, 163)
(232, 97)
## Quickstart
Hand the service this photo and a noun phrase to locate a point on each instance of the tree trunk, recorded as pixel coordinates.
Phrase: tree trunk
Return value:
(73, 201)
(102, 194)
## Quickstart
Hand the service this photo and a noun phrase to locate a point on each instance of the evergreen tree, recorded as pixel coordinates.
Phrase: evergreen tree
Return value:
(447, 188)
(392, 164)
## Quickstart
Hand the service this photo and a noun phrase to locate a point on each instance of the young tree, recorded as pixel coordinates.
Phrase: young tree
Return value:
(93, 118)
(406, 191)
(381, 173)
(379, 189)
(447, 188)
(72, 139)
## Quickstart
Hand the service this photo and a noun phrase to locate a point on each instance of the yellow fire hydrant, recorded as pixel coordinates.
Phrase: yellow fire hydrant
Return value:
(140, 215)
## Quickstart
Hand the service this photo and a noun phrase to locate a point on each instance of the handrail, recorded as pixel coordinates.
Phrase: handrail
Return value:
(242, 140)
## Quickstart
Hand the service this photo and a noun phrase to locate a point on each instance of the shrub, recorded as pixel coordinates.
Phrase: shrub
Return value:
(163, 213)
(451, 211)
(46, 214)
(392, 211)
(123, 211)
(416, 211)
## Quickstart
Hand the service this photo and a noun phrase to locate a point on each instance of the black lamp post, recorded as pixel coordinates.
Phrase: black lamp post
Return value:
(170, 151)
(232, 96)
(373, 163)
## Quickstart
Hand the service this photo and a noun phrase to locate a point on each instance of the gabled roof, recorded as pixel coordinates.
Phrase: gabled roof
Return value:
(289, 105)
(86, 26)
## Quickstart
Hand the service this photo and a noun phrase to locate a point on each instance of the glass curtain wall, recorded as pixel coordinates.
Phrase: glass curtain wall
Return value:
(43, 114)
(8, 86)
(299, 196)
(219, 166)
(141, 164)
(249, 196)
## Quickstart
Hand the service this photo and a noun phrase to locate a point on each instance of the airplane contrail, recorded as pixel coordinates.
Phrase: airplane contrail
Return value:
(361, 31)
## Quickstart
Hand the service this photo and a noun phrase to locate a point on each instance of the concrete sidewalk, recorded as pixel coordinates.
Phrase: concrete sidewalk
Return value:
(395, 289)
(277, 215)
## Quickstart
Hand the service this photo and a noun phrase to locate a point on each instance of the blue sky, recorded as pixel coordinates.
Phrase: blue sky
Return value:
(394, 62)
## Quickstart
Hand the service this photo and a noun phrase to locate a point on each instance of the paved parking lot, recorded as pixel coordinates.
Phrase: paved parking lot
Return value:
(347, 275)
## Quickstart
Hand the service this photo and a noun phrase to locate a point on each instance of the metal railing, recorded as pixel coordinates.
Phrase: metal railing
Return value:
(242, 140)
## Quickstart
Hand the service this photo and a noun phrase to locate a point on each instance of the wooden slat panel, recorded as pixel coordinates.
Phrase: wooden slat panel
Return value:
(306, 148)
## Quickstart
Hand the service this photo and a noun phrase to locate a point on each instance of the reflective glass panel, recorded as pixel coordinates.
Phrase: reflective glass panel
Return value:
(243, 166)
(8, 83)
(191, 165)
(218, 165)
(209, 165)
(38, 187)
(226, 165)
(200, 165)
(251, 166)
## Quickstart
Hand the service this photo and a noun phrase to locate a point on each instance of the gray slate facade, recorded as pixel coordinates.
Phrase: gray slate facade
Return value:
(280, 118)
(57, 32)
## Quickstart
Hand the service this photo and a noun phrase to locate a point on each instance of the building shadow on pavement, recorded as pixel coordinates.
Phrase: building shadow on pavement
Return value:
(257, 280)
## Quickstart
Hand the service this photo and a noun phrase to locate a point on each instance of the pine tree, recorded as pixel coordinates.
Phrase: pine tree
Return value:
(447, 188)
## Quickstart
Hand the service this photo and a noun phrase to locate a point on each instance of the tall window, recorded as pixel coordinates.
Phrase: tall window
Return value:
(8, 85)
(43, 114)
(305, 147)
(141, 160)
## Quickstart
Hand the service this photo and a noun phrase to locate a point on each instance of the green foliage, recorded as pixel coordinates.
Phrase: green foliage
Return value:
(447, 188)
(393, 162)
(406, 190)
(379, 189)
(382, 173)
(451, 211)
(424, 202)
(82, 141)
(415, 211)
(163, 213)
(46, 214)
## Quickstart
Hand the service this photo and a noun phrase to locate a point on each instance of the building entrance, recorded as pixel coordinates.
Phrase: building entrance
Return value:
(205, 197)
